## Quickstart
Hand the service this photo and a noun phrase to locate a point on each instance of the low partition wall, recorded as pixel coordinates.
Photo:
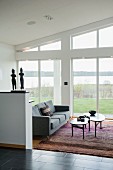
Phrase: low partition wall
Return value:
(15, 120)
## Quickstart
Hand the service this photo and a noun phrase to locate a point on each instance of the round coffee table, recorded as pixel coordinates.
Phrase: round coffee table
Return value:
(76, 124)
(98, 118)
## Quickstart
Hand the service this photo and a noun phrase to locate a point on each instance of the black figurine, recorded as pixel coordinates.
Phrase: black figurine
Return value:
(21, 78)
(13, 75)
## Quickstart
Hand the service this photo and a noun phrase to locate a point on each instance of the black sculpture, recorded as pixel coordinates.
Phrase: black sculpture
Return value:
(21, 78)
(13, 75)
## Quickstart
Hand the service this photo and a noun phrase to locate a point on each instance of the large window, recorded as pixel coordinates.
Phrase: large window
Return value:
(51, 46)
(84, 80)
(106, 85)
(27, 49)
(47, 80)
(43, 80)
(94, 40)
(93, 85)
(106, 37)
(31, 81)
(87, 40)
(50, 86)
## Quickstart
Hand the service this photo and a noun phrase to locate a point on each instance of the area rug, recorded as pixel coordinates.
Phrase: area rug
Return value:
(62, 141)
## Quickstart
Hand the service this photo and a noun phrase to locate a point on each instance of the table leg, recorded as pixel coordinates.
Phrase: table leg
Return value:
(83, 131)
(100, 125)
(72, 130)
(95, 128)
(89, 124)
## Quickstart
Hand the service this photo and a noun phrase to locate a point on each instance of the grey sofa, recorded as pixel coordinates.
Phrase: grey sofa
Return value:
(47, 125)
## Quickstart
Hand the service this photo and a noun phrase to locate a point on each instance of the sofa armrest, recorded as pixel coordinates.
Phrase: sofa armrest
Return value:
(61, 108)
(41, 125)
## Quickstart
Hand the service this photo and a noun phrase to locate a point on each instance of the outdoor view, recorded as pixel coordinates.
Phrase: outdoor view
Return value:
(41, 83)
(106, 85)
(31, 81)
(42, 80)
(84, 80)
(85, 85)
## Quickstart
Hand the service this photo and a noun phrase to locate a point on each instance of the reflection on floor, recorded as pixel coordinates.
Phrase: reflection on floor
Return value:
(18, 159)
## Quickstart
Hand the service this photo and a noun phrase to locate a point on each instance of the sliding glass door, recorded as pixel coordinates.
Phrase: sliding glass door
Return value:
(93, 85)
(31, 80)
(42, 79)
(106, 85)
(84, 89)
(47, 80)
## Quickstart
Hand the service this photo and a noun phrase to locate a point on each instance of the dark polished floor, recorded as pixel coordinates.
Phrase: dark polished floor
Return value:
(15, 159)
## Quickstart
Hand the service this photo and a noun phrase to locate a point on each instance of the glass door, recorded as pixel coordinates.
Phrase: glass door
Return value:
(84, 85)
(42, 79)
(31, 81)
(50, 81)
(106, 86)
(47, 80)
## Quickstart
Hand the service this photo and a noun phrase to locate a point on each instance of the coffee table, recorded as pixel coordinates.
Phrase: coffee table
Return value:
(77, 124)
(98, 118)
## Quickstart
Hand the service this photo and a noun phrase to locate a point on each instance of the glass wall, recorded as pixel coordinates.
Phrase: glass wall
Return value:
(47, 80)
(84, 80)
(42, 79)
(31, 80)
(106, 85)
(51, 46)
(105, 37)
(93, 85)
(87, 40)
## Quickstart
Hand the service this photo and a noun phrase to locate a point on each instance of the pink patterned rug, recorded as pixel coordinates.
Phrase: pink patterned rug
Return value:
(62, 140)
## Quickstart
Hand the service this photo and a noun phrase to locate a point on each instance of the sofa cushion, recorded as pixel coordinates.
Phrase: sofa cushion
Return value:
(50, 104)
(51, 113)
(35, 111)
(61, 118)
(41, 105)
(54, 123)
(46, 111)
(67, 114)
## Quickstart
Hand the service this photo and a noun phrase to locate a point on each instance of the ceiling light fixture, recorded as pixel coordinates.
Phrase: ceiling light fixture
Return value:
(31, 22)
(48, 17)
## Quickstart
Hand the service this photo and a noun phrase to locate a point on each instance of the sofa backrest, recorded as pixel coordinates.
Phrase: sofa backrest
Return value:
(36, 109)
(50, 104)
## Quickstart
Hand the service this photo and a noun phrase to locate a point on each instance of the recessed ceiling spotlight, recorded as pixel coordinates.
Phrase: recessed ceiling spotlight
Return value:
(31, 22)
(48, 17)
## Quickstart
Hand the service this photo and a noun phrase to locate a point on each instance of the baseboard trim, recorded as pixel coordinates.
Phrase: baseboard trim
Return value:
(12, 146)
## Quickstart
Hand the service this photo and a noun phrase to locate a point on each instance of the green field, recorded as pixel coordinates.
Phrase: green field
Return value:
(82, 105)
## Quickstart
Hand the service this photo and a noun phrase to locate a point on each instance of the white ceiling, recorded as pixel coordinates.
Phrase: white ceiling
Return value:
(67, 14)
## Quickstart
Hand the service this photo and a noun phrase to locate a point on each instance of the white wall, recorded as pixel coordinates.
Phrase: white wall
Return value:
(16, 119)
(7, 62)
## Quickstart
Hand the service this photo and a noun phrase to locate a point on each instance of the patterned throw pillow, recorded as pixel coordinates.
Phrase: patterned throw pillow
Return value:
(46, 111)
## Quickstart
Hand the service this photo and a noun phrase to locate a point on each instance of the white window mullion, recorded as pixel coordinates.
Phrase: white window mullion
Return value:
(97, 81)
(57, 83)
(39, 78)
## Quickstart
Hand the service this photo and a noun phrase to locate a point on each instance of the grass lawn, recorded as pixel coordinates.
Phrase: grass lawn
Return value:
(84, 105)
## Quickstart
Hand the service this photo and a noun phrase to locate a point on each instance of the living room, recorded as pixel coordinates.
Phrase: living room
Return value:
(60, 61)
